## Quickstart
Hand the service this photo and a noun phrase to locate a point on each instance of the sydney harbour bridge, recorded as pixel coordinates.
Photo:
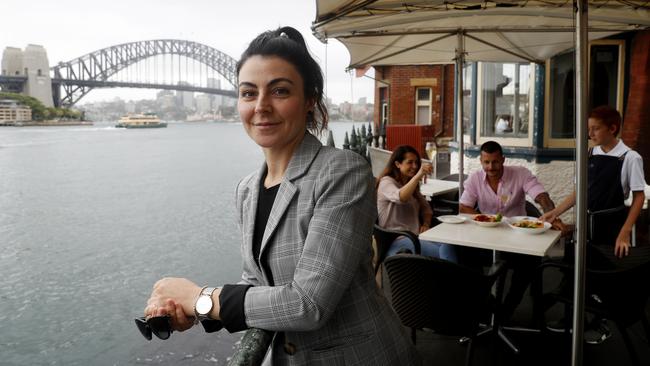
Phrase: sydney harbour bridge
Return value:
(168, 64)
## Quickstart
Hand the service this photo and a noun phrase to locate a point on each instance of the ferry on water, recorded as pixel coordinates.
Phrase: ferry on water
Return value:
(140, 121)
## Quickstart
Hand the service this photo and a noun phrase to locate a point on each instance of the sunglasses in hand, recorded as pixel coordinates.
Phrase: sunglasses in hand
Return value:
(160, 326)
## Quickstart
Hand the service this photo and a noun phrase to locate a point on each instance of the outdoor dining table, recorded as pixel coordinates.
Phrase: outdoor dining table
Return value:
(435, 187)
(500, 237)
(496, 238)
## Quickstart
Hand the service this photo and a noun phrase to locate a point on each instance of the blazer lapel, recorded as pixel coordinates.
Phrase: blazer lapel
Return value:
(300, 162)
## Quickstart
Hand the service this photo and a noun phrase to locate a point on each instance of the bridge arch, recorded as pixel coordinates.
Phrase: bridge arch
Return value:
(78, 76)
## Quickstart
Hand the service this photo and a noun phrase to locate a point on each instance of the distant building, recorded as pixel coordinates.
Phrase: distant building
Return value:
(12, 111)
(166, 99)
(217, 100)
(33, 64)
(204, 103)
(186, 98)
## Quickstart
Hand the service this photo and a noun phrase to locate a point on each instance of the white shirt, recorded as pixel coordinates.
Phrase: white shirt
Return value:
(632, 178)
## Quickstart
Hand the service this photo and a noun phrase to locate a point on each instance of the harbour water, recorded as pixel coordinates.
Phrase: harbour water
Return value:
(92, 216)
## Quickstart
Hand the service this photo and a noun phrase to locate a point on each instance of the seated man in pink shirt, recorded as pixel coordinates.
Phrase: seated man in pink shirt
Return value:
(503, 189)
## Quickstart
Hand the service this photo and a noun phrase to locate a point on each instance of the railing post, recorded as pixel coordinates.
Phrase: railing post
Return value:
(354, 141)
(330, 139)
(375, 136)
(252, 348)
(346, 142)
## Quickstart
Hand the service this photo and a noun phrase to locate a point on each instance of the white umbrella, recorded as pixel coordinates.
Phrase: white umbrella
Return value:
(394, 32)
(389, 32)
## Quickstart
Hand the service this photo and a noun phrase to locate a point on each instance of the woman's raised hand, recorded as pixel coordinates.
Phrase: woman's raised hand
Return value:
(425, 170)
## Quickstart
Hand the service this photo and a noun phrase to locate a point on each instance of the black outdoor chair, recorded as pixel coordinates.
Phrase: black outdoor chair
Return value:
(445, 297)
(385, 237)
(446, 204)
(620, 285)
(532, 210)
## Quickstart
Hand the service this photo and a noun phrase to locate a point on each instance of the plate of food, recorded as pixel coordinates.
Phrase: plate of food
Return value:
(451, 219)
(487, 220)
(528, 224)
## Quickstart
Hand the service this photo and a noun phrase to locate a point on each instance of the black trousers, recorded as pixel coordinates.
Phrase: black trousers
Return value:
(523, 267)
(524, 270)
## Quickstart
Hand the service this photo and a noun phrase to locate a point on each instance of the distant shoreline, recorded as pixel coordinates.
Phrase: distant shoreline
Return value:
(44, 123)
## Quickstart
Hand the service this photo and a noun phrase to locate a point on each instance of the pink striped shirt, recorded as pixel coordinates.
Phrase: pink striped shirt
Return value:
(510, 198)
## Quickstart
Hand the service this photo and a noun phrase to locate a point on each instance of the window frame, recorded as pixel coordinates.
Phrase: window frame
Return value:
(551, 142)
(426, 103)
(526, 141)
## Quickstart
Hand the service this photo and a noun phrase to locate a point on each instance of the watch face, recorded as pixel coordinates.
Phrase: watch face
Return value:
(204, 305)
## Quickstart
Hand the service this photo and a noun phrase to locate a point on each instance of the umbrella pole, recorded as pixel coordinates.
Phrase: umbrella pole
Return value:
(581, 90)
(460, 61)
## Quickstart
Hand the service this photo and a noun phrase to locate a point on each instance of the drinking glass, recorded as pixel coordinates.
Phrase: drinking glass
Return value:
(430, 149)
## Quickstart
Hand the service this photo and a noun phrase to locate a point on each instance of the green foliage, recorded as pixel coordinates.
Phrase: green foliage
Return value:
(39, 111)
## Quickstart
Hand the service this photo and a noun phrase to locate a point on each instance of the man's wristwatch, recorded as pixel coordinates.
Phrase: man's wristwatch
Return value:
(203, 304)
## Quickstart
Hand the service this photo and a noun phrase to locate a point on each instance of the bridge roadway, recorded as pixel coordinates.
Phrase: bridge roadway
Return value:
(15, 83)
(121, 84)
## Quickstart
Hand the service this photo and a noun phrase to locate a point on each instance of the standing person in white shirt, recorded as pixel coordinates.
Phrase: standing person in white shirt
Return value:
(614, 170)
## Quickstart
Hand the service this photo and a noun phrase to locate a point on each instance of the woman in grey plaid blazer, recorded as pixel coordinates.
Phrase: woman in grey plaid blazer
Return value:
(306, 220)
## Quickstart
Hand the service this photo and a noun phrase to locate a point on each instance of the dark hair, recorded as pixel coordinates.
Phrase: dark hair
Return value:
(399, 154)
(491, 147)
(608, 116)
(287, 43)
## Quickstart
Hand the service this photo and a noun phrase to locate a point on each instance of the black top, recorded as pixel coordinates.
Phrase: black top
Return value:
(264, 206)
(232, 297)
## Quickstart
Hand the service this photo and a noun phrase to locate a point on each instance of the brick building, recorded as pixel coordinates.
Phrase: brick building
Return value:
(527, 107)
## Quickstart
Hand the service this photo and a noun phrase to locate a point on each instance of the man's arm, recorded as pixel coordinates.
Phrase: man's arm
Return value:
(466, 209)
(544, 200)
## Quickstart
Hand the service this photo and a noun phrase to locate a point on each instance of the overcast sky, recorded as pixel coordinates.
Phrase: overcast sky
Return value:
(72, 28)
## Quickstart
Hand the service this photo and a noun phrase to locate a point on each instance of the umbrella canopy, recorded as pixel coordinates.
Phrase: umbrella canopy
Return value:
(391, 32)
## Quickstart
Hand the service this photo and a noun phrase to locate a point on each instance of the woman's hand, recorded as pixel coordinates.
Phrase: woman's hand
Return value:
(425, 170)
(622, 247)
(174, 297)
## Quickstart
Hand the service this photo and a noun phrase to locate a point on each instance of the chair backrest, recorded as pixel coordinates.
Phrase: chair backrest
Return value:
(532, 210)
(385, 237)
(603, 225)
(433, 293)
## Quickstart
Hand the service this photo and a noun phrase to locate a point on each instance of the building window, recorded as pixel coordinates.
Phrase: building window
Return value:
(505, 101)
(604, 67)
(562, 96)
(383, 103)
(606, 61)
(39, 73)
(423, 106)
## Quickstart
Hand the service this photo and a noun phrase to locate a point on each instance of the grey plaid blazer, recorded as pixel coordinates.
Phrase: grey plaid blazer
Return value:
(324, 302)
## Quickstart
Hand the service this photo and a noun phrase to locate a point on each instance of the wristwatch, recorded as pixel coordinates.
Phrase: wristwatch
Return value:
(203, 304)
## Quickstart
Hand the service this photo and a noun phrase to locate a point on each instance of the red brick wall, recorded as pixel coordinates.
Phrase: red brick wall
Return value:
(636, 123)
(401, 94)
